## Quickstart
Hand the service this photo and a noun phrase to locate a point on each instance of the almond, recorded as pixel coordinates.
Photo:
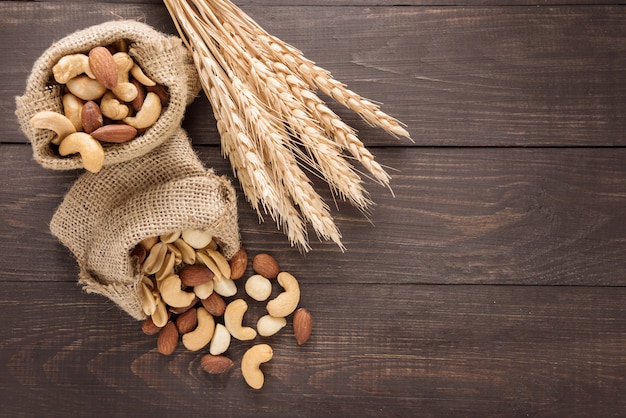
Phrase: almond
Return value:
(265, 265)
(91, 117)
(137, 103)
(103, 66)
(195, 275)
(302, 325)
(115, 133)
(238, 264)
(149, 328)
(214, 304)
(216, 364)
(187, 321)
(168, 339)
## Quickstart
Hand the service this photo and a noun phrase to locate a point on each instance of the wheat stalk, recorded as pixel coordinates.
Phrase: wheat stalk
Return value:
(272, 124)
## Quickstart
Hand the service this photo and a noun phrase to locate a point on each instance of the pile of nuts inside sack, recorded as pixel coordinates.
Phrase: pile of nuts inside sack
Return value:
(186, 280)
(107, 98)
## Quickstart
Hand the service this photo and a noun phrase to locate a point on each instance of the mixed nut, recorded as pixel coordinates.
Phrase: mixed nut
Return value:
(185, 290)
(107, 98)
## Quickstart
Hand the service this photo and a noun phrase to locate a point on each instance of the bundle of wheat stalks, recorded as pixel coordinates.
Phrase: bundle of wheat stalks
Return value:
(272, 123)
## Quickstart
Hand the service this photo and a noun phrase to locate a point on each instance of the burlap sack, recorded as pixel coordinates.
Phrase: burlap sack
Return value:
(105, 215)
(162, 57)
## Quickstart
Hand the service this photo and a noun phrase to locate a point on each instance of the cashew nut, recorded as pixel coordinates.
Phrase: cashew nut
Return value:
(208, 261)
(197, 238)
(269, 325)
(201, 336)
(71, 66)
(90, 150)
(203, 290)
(155, 258)
(148, 301)
(251, 362)
(233, 316)
(222, 264)
(86, 88)
(112, 108)
(286, 302)
(124, 90)
(72, 109)
(221, 340)
(258, 287)
(173, 294)
(140, 76)
(160, 315)
(53, 121)
(148, 114)
(187, 253)
(224, 287)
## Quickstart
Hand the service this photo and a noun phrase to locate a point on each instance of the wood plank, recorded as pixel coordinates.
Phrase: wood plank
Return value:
(479, 76)
(478, 215)
(401, 350)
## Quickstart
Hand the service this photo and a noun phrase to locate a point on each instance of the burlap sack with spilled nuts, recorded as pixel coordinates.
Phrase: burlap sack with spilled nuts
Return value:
(105, 215)
(162, 57)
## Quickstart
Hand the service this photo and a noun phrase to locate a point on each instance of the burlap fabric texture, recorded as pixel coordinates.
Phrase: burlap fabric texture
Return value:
(104, 215)
(162, 57)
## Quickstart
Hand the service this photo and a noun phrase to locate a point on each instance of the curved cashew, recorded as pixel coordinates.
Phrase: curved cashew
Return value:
(72, 109)
(233, 316)
(173, 294)
(269, 325)
(148, 114)
(258, 287)
(251, 362)
(140, 76)
(112, 108)
(53, 121)
(90, 150)
(201, 336)
(286, 302)
(86, 88)
(221, 340)
(71, 66)
(124, 90)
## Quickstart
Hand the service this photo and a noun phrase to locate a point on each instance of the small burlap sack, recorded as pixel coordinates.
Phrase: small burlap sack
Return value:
(105, 215)
(162, 57)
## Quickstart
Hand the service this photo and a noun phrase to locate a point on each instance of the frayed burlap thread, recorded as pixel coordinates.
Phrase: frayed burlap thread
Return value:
(162, 57)
(104, 215)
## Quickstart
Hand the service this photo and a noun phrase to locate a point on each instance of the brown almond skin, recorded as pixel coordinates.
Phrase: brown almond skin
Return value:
(214, 304)
(116, 133)
(168, 339)
(91, 117)
(195, 275)
(137, 103)
(238, 264)
(216, 364)
(103, 66)
(302, 325)
(265, 265)
(149, 328)
(187, 321)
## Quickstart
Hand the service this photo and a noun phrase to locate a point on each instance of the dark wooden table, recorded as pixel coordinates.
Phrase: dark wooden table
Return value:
(491, 284)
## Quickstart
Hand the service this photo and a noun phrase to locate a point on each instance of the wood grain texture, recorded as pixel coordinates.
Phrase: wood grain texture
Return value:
(490, 283)
(397, 349)
(457, 76)
(486, 215)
